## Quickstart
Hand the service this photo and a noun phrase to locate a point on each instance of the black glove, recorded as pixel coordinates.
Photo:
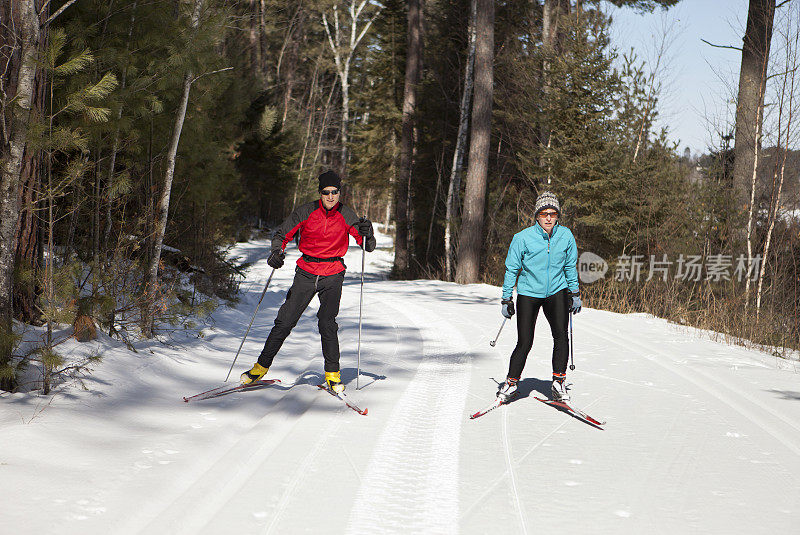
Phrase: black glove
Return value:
(275, 259)
(364, 227)
(369, 244)
(508, 308)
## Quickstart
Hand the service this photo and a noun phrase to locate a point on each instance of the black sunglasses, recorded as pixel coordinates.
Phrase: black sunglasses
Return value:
(329, 192)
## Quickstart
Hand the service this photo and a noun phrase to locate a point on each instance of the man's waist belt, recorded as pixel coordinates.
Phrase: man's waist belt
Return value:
(308, 258)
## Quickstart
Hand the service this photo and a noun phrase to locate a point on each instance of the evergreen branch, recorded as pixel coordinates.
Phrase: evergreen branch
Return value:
(121, 185)
(101, 89)
(97, 115)
(58, 39)
(75, 64)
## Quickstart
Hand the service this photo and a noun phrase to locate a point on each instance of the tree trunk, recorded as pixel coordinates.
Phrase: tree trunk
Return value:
(750, 101)
(471, 234)
(254, 35)
(433, 210)
(402, 254)
(19, 33)
(454, 190)
(162, 208)
(345, 81)
(28, 250)
(553, 13)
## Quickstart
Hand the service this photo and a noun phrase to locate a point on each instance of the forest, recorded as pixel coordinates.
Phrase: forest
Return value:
(140, 139)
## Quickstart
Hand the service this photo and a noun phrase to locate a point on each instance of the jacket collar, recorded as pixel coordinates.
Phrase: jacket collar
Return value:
(333, 210)
(542, 232)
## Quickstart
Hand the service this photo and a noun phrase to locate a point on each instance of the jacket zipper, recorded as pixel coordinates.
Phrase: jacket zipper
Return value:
(547, 288)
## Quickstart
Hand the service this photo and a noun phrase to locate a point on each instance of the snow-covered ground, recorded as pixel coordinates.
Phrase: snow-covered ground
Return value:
(702, 437)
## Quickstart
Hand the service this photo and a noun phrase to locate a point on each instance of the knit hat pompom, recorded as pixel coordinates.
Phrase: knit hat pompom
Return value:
(547, 199)
(329, 179)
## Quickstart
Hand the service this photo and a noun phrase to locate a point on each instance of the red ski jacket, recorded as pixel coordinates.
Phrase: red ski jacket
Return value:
(324, 236)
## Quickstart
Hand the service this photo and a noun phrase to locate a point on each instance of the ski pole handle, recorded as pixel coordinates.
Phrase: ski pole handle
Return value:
(493, 342)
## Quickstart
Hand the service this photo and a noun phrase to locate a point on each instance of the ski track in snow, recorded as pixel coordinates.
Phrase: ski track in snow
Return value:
(512, 479)
(755, 411)
(411, 482)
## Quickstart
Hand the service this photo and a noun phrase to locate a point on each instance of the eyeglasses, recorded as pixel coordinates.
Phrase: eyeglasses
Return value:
(548, 214)
(329, 192)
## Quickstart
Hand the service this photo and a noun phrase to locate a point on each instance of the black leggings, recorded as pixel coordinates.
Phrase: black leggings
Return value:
(556, 310)
(303, 289)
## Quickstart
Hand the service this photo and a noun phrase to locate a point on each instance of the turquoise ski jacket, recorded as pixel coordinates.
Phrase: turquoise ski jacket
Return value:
(545, 264)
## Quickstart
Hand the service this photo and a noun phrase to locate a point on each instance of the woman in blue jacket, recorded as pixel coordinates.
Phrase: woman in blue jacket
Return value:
(542, 263)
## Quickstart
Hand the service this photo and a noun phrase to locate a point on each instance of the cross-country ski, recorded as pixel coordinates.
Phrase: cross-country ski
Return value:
(228, 389)
(569, 408)
(496, 403)
(343, 398)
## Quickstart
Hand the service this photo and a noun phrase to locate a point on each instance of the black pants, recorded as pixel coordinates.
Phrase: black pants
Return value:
(298, 297)
(556, 310)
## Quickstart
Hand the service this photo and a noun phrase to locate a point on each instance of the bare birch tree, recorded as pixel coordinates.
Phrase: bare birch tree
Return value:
(791, 64)
(162, 207)
(19, 41)
(750, 111)
(343, 48)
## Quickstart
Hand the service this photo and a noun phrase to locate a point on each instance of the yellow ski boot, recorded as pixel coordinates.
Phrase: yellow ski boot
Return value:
(254, 374)
(334, 382)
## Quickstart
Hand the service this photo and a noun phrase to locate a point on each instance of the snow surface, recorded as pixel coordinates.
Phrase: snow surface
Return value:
(702, 437)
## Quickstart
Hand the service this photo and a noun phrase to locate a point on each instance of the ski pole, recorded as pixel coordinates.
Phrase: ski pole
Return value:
(360, 307)
(493, 342)
(251, 324)
(571, 348)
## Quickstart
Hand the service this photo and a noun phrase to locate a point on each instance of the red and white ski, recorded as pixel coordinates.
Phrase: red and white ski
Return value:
(496, 403)
(227, 389)
(577, 413)
(343, 398)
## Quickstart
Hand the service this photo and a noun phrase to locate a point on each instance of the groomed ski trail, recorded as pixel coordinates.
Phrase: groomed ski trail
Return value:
(411, 481)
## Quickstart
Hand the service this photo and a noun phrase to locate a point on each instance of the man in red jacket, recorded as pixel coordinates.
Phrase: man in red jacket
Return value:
(325, 227)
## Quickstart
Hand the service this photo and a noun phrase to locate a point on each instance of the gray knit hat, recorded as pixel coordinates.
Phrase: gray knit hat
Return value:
(547, 200)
